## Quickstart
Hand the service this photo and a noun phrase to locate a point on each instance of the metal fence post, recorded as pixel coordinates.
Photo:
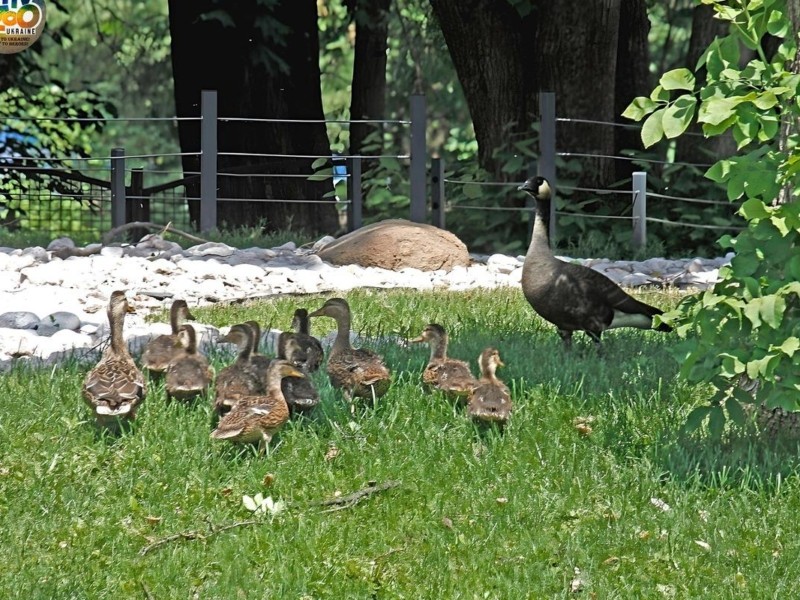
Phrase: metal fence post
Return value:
(354, 193)
(547, 151)
(208, 160)
(639, 210)
(117, 187)
(418, 158)
(437, 192)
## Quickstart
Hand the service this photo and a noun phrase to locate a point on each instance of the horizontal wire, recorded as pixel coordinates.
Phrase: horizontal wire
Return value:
(693, 200)
(336, 121)
(333, 158)
(483, 183)
(632, 159)
(286, 175)
(100, 119)
(501, 208)
(612, 124)
(589, 216)
(696, 225)
(595, 190)
(284, 201)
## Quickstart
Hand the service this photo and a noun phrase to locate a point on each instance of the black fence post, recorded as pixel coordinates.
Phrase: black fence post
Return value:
(437, 193)
(208, 160)
(354, 193)
(117, 187)
(418, 158)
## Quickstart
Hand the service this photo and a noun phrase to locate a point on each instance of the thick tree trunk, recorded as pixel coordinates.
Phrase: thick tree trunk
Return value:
(577, 45)
(692, 148)
(632, 77)
(369, 69)
(492, 50)
(263, 65)
(791, 125)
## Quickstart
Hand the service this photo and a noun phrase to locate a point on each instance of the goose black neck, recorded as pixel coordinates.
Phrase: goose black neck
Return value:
(540, 239)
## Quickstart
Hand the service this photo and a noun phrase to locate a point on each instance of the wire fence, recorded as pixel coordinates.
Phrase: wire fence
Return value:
(69, 194)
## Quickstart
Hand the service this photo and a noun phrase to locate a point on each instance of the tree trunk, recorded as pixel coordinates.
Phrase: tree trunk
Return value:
(791, 125)
(633, 77)
(493, 56)
(369, 69)
(577, 43)
(692, 148)
(264, 63)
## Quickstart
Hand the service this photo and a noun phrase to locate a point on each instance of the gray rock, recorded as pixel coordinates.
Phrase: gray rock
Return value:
(62, 320)
(63, 243)
(211, 249)
(19, 320)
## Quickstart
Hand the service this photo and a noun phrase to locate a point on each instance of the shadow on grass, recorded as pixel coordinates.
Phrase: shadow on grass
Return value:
(742, 459)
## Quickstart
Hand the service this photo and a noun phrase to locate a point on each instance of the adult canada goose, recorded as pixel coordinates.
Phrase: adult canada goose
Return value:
(357, 371)
(240, 378)
(490, 401)
(115, 387)
(450, 375)
(570, 296)
(257, 418)
(311, 346)
(160, 350)
(189, 374)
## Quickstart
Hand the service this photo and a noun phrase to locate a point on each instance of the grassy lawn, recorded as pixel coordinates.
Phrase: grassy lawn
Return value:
(630, 510)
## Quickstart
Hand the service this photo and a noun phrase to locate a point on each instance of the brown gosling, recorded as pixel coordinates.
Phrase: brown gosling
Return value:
(311, 346)
(490, 401)
(238, 379)
(300, 393)
(257, 418)
(115, 387)
(189, 374)
(358, 372)
(450, 375)
(160, 350)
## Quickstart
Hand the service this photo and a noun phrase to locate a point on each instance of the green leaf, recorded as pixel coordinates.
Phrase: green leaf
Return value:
(471, 190)
(719, 171)
(639, 108)
(735, 411)
(222, 16)
(677, 79)
(696, 418)
(754, 209)
(652, 130)
(766, 100)
(716, 421)
(659, 94)
(678, 116)
(778, 25)
(789, 346)
(772, 310)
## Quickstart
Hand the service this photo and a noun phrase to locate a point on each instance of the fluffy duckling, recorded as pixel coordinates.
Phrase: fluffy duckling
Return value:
(257, 418)
(238, 379)
(450, 375)
(259, 362)
(490, 401)
(115, 387)
(160, 350)
(300, 393)
(189, 374)
(359, 372)
(310, 345)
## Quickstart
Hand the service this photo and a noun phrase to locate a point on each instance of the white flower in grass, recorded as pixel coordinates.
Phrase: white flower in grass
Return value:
(261, 505)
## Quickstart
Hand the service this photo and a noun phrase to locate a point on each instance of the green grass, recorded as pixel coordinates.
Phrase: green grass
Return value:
(478, 514)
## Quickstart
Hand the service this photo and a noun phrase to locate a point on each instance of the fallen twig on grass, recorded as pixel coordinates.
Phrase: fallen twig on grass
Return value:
(340, 502)
(162, 229)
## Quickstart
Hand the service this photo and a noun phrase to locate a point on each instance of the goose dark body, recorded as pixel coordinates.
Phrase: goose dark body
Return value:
(570, 296)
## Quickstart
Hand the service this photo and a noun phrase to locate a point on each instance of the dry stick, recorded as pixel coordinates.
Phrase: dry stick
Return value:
(110, 235)
(340, 503)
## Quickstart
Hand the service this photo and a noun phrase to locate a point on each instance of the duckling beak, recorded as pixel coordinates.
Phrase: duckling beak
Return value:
(317, 313)
(417, 340)
(292, 372)
(190, 316)
(500, 363)
(129, 309)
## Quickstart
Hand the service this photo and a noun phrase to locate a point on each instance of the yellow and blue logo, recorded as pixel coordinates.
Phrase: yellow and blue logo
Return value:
(21, 24)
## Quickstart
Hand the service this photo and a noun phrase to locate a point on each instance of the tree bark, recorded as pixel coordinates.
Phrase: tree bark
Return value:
(791, 124)
(369, 69)
(577, 45)
(492, 50)
(632, 77)
(264, 63)
(693, 148)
